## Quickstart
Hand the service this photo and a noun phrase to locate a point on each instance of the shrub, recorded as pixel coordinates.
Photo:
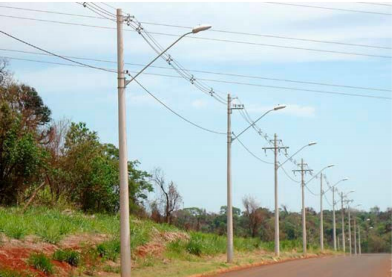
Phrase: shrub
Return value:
(41, 262)
(69, 256)
(109, 249)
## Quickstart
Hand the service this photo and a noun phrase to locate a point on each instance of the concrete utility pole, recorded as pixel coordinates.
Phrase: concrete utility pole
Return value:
(334, 218)
(229, 197)
(321, 214)
(359, 239)
(338, 242)
(276, 149)
(230, 247)
(355, 235)
(349, 227)
(125, 237)
(343, 238)
(303, 171)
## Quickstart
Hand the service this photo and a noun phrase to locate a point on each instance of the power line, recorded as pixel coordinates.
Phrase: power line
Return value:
(212, 30)
(269, 36)
(58, 56)
(375, 4)
(250, 152)
(108, 5)
(210, 39)
(288, 175)
(103, 69)
(172, 76)
(174, 112)
(218, 73)
(326, 8)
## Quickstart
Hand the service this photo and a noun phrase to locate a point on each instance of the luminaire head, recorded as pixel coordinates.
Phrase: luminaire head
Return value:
(312, 143)
(201, 28)
(279, 107)
(345, 179)
(331, 165)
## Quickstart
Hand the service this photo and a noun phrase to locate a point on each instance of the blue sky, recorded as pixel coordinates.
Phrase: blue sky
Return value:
(353, 133)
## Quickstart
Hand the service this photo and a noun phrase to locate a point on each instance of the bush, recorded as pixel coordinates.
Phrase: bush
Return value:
(69, 256)
(109, 249)
(41, 262)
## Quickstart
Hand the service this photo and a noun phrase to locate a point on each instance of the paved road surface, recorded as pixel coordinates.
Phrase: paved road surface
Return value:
(365, 265)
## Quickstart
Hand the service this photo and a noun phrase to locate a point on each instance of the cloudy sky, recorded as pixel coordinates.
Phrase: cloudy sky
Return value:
(352, 132)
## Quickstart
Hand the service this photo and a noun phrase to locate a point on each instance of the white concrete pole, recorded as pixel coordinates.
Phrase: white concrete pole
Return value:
(334, 219)
(321, 214)
(343, 238)
(123, 156)
(303, 208)
(349, 229)
(230, 249)
(276, 198)
(359, 239)
(355, 236)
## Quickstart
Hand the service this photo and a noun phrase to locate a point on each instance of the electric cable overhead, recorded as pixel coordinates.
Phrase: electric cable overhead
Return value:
(250, 152)
(326, 8)
(174, 112)
(111, 71)
(209, 39)
(58, 56)
(221, 81)
(213, 30)
(375, 4)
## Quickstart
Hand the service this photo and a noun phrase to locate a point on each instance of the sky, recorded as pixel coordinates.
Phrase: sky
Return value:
(353, 133)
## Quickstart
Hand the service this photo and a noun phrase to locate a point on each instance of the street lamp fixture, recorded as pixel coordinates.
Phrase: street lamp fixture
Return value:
(312, 143)
(309, 144)
(279, 107)
(201, 28)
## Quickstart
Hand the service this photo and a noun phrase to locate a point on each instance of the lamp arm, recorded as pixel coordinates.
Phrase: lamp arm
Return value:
(157, 57)
(252, 124)
(281, 164)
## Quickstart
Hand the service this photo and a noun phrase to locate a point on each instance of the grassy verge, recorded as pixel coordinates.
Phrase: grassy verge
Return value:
(157, 249)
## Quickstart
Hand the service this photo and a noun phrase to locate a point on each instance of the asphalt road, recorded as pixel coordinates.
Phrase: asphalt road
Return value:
(365, 265)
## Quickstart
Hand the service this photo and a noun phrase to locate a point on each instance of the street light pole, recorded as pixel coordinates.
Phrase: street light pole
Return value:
(276, 149)
(231, 139)
(343, 238)
(355, 235)
(359, 239)
(334, 219)
(303, 208)
(321, 214)
(333, 188)
(303, 170)
(125, 237)
(229, 197)
(349, 228)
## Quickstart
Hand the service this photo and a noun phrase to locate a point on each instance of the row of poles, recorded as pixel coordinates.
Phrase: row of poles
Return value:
(123, 167)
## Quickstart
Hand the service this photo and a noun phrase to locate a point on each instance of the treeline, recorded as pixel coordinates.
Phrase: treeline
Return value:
(63, 164)
(255, 221)
(57, 162)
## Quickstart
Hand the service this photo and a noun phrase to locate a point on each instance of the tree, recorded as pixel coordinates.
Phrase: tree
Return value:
(170, 197)
(253, 214)
(23, 119)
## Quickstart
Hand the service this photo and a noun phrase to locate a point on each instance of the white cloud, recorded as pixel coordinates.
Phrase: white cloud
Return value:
(199, 104)
(291, 109)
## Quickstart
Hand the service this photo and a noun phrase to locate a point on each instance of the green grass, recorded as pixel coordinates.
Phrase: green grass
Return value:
(69, 256)
(52, 225)
(41, 262)
(11, 273)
